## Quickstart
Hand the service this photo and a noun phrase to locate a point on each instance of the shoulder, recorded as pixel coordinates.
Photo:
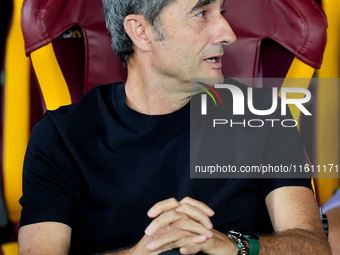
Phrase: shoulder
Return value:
(97, 100)
(66, 121)
(90, 100)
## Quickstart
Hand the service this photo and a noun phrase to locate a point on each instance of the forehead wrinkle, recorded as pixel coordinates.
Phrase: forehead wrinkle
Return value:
(202, 3)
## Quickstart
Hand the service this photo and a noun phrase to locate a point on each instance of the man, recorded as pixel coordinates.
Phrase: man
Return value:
(111, 172)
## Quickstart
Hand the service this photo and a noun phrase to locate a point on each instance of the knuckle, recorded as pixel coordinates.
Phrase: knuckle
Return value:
(179, 234)
(155, 224)
(173, 236)
(199, 229)
(181, 242)
(193, 248)
(175, 240)
(186, 199)
(186, 206)
(183, 208)
(172, 200)
(172, 214)
(180, 223)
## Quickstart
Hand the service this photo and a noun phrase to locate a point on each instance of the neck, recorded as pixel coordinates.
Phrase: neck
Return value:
(148, 94)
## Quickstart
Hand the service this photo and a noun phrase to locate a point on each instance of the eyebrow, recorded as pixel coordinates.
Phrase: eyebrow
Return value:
(202, 3)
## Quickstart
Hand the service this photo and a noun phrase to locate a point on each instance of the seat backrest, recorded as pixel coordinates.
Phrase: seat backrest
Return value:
(297, 28)
(275, 39)
(282, 39)
(270, 36)
(74, 48)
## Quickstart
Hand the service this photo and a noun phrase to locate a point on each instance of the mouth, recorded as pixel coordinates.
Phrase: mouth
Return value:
(215, 60)
(212, 60)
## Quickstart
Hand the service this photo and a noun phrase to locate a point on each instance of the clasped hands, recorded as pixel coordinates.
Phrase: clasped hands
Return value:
(183, 225)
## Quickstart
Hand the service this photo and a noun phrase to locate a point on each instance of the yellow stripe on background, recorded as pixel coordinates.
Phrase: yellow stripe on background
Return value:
(16, 114)
(10, 248)
(300, 69)
(299, 76)
(51, 80)
(328, 95)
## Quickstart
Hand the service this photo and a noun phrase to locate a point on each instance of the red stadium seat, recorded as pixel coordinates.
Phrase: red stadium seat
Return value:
(276, 39)
(70, 48)
(271, 33)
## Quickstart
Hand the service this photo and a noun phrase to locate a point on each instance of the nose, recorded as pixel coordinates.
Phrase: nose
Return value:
(224, 34)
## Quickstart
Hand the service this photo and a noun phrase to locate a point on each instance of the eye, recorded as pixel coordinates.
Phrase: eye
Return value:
(201, 14)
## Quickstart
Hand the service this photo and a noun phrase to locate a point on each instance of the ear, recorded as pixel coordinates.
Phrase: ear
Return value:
(138, 29)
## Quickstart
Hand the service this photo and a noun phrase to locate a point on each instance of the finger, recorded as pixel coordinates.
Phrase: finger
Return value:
(191, 248)
(169, 239)
(175, 239)
(192, 226)
(196, 214)
(206, 209)
(163, 220)
(162, 206)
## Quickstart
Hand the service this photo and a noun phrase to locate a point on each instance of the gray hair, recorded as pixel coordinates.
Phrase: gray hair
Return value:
(115, 13)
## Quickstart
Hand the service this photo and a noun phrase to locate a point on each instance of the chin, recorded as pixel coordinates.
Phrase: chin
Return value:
(216, 75)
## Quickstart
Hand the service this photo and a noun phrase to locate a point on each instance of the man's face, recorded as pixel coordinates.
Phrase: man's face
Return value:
(195, 32)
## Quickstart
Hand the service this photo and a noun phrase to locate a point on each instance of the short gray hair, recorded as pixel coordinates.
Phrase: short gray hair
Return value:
(115, 13)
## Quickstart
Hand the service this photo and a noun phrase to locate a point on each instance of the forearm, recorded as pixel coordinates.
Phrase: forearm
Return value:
(295, 241)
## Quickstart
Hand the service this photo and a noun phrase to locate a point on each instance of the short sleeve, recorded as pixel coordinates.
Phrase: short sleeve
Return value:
(285, 148)
(47, 190)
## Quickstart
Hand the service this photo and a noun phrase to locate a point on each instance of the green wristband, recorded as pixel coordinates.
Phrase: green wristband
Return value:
(254, 244)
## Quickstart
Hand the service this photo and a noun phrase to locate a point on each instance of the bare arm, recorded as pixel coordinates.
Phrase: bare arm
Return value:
(47, 238)
(52, 238)
(297, 224)
(296, 221)
(293, 212)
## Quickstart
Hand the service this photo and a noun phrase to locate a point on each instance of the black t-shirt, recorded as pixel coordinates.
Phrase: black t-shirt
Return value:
(98, 166)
